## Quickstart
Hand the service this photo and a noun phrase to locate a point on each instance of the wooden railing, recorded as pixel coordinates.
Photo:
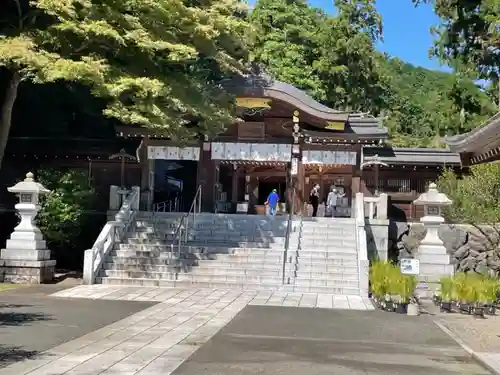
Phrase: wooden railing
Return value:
(112, 234)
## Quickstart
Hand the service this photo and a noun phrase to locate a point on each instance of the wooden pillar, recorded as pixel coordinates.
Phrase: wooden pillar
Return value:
(234, 184)
(300, 189)
(205, 177)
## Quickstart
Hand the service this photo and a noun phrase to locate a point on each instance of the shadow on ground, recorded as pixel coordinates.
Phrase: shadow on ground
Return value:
(31, 321)
(13, 315)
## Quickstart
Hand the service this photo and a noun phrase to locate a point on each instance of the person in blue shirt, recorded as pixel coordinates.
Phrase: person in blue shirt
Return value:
(272, 202)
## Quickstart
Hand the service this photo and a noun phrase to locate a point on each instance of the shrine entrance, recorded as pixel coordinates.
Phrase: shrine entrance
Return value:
(327, 169)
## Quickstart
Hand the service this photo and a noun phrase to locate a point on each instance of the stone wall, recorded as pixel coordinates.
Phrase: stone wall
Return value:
(471, 248)
(377, 238)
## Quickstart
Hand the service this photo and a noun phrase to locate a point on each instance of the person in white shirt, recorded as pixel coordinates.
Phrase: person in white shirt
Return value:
(332, 201)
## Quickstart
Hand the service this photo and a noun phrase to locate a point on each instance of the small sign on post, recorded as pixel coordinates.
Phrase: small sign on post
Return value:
(410, 266)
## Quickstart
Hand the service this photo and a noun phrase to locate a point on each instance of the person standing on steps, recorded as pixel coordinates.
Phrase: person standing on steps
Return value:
(272, 201)
(314, 199)
(332, 201)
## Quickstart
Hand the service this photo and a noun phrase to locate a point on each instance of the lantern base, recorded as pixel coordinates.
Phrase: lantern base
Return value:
(27, 271)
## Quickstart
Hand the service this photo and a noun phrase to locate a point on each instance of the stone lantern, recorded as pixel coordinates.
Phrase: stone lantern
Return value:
(434, 261)
(26, 258)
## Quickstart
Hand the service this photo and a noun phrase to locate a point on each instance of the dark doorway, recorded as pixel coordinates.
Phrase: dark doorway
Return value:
(175, 183)
(266, 187)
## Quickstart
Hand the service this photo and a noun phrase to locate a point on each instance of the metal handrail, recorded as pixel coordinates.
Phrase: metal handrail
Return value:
(288, 231)
(172, 204)
(181, 233)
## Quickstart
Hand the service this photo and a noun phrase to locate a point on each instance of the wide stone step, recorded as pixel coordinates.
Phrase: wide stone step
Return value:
(334, 283)
(324, 243)
(184, 284)
(240, 257)
(205, 245)
(193, 277)
(332, 253)
(228, 240)
(196, 227)
(321, 289)
(222, 264)
(205, 224)
(349, 267)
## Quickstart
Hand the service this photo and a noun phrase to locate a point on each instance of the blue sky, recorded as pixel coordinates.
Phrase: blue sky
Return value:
(406, 30)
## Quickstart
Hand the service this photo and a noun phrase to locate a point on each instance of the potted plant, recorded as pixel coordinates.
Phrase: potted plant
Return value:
(407, 285)
(463, 291)
(446, 291)
(377, 285)
(490, 296)
(393, 279)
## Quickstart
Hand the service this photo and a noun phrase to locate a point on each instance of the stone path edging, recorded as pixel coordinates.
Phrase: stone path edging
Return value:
(491, 361)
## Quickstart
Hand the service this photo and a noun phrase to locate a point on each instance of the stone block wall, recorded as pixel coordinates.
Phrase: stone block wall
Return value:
(471, 248)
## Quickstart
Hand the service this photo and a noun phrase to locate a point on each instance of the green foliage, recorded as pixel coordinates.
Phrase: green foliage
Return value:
(334, 59)
(469, 288)
(386, 278)
(469, 32)
(426, 105)
(476, 197)
(446, 289)
(63, 217)
(156, 63)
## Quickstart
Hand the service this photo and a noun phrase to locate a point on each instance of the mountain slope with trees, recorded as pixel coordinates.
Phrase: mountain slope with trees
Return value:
(334, 59)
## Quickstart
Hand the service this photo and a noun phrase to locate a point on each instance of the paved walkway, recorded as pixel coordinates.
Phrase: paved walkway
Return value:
(31, 323)
(290, 341)
(158, 339)
(250, 332)
(157, 294)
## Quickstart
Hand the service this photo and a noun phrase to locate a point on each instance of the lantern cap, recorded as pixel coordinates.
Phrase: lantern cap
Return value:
(28, 186)
(433, 197)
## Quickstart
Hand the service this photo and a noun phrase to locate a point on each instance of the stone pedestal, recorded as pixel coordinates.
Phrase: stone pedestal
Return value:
(433, 258)
(26, 258)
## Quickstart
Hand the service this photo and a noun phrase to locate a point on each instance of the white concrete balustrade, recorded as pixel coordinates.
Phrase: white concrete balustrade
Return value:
(375, 207)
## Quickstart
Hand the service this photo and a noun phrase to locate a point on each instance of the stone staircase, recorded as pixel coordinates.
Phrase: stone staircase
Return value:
(237, 251)
(325, 259)
(222, 251)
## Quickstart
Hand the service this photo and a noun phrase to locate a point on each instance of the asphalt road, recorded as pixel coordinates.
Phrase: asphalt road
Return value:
(298, 341)
(31, 321)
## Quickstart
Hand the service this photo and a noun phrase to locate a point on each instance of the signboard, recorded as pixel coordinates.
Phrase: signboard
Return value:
(410, 266)
(335, 125)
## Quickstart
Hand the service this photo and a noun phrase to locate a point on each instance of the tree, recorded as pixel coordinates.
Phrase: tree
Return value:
(157, 63)
(469, 31)
(476, 197)
(332, 58)
(348, 64)
(285, 41)
(63, 217)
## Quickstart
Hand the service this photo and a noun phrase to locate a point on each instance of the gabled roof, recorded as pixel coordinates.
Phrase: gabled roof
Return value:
(411, 156)
(263, 86)
(477, 140)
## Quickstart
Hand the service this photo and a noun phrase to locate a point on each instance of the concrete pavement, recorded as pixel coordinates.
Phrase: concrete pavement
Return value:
(31, 322)
(182, 335)
(288, 341)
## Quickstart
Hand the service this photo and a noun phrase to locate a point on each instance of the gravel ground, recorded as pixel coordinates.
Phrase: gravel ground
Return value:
(481, 335)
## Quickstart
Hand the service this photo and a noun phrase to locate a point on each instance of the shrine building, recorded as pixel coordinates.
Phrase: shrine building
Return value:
(286, 141)
(480, 145)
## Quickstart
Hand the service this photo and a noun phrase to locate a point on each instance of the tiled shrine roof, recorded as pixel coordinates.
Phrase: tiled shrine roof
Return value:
(480, 139)
(263, 86)
(411, 156)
